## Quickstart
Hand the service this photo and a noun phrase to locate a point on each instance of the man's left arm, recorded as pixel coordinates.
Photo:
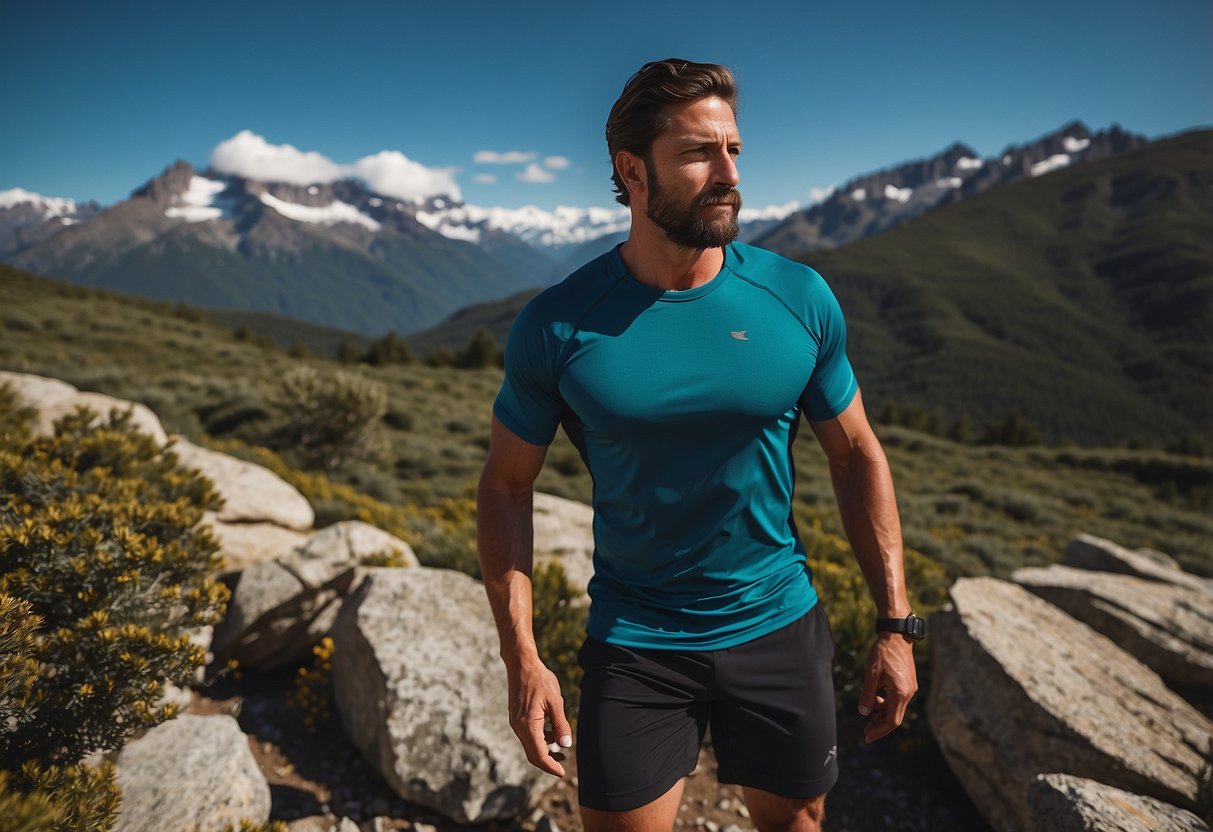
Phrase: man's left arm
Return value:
(863, 486)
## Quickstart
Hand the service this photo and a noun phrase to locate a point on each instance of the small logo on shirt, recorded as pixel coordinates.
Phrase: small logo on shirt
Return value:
(833, 753)
(740, 334)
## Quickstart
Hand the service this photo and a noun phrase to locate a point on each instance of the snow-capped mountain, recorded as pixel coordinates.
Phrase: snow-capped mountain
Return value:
(332, 253)
(871, 203)
(27, 218)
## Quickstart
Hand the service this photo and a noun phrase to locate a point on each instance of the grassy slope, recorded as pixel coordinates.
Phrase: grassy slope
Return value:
(975, 509)
(1083, 298)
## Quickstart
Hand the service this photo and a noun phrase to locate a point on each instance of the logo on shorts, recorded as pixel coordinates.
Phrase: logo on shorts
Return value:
(739, 334)
(833, 754)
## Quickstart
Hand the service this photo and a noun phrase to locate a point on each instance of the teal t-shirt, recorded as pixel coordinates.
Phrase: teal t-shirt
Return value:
(684, 406)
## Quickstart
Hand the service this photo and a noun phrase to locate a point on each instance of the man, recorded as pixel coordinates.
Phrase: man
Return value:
(679, 364)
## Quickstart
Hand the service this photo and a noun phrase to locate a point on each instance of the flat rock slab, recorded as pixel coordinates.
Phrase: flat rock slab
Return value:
(1019, 688)
(422, 693)
(1167, 626)
(55, 399)
(190, 773)
(564, 534)
(1095, 553)
(251, 493)
(1064, 803)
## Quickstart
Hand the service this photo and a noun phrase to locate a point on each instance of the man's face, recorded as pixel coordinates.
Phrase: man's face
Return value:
(692, 175)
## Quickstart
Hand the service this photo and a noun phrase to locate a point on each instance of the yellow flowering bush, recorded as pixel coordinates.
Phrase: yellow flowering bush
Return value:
(103, 570)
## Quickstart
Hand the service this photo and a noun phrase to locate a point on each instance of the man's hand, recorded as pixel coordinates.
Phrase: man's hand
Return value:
(890, 667)
(535, 700)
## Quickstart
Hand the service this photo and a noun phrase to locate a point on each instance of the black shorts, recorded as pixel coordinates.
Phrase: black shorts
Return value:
(769, 702)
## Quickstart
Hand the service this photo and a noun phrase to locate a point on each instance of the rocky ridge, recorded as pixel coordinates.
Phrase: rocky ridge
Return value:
(874, 202)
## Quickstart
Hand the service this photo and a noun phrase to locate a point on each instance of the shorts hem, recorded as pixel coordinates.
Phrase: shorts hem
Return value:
(635, 799)
(796, 789)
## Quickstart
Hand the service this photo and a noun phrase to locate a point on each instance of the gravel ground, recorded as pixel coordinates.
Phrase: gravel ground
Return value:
(900, 784)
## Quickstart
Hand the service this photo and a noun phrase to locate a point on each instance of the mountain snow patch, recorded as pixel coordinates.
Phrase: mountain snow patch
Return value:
(859, 194)
(901, 195)
(968, 163)
(199, 202)
(1074, 145)
(331, 214)
(1059, 160)
(51, 206)
(563, 226)
(771, 212)
(949, 182)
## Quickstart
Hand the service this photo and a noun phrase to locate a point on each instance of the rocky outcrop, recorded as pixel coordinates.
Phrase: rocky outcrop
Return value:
(251, 493)
(1166, 626)
(192, 772)
(281, 608)
(55, 399)
(1019, 688)
(422, 694)
(564, 534)
(244, 544)
(1063, 803)
(1086, 551)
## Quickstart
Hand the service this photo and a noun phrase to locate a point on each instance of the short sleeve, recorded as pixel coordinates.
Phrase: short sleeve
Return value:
(529, 402)
(832, 384)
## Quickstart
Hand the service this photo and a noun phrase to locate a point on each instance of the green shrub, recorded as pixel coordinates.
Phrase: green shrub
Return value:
(330, 418)
(102, 572)
(481, 350)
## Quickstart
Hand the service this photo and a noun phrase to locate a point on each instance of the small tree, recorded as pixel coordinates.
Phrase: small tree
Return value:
(330, 418)
(481, 350)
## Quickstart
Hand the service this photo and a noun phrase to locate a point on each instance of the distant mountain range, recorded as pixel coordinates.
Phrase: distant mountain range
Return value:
(1082, 299)
(341, 255)
(334, 254)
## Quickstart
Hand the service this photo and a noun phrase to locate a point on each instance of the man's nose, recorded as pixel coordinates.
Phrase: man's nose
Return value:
(725, 170)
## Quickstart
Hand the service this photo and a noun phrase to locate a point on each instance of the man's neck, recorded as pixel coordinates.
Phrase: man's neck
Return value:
(654, 261)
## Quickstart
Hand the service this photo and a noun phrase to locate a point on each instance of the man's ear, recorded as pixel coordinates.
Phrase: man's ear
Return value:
(633, 173)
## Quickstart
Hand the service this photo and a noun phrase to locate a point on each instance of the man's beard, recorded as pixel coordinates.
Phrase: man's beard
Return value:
(681, 223)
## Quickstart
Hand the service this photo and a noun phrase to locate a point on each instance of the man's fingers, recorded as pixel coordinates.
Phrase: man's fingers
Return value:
(530, 734)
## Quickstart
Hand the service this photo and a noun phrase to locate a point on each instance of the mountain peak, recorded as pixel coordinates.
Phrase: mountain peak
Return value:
(172, 181)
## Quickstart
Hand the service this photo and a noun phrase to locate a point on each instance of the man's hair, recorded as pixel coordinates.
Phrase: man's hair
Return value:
(639, 113)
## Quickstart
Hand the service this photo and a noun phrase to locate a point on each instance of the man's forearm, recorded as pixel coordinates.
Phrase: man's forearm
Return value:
(863, 486)
(504, 537)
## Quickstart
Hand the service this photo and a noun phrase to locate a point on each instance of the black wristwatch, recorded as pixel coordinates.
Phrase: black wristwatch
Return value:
(912, 628)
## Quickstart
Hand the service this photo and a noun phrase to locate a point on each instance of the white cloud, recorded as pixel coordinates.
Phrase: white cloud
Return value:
(250, 155)
(534, 173)
(389, 172)
(506, 157)
(484, 179)
(556, 162)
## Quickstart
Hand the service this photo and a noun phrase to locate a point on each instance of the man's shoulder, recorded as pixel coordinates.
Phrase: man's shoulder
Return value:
(566, 300)
(793, 282)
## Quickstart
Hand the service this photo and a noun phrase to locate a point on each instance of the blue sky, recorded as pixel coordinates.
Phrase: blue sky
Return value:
(101, 96)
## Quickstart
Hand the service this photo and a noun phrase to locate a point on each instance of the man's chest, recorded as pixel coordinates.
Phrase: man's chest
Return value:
(686, 363)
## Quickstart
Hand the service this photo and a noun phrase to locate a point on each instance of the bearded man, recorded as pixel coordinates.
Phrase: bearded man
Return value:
(680, 364)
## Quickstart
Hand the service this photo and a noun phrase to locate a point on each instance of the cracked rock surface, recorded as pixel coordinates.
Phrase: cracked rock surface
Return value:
(422, 693)
(1020, 688)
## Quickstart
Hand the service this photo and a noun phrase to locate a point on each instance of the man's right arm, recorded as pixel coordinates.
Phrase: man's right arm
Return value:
(504, 536)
